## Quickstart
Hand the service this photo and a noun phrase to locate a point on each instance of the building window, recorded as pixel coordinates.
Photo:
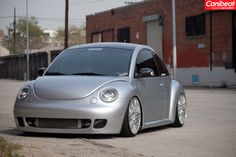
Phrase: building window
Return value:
(96, 37)
(195, 25)
(123, 35)
(103, 36)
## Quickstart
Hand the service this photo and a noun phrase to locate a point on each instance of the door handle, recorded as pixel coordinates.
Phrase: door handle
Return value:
(162, 85)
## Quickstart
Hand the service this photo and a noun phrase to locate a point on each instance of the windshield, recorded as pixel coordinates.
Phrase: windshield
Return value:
(92, 61)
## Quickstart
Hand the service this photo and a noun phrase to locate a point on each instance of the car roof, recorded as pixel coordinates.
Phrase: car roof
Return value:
(108, 44)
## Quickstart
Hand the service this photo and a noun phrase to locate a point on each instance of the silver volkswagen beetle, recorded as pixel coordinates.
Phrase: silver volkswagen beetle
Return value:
(101, 88)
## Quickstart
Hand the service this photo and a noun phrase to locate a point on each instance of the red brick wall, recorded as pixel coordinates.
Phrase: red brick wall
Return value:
(222, 37)
(188, 53)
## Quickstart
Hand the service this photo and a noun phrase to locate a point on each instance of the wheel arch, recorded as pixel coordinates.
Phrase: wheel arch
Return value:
(125, 131)
(141, 105)
(176, 90)
(142, 114)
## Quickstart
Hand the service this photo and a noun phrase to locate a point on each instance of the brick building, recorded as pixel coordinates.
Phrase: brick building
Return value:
(206, 41)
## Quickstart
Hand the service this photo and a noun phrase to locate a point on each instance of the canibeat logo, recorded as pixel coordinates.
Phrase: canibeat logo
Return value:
(220, 5)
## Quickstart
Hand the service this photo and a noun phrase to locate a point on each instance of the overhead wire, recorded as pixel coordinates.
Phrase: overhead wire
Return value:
(84, 2)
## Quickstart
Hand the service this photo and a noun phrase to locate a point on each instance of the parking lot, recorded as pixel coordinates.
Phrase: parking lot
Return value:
(210, 131)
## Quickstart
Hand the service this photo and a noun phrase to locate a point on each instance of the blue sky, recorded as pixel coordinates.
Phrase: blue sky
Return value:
(50, 13)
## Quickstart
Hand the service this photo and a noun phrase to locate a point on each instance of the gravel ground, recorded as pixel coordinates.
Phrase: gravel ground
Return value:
(210, 131)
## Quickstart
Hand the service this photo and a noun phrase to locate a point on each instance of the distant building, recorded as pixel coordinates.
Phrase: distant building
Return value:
(4, 51)
(50, 33)
(206, 40)
(1, 36)
(49, 38)
(1, 33)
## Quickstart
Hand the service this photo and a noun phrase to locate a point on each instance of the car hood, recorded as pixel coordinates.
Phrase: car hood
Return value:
(70, 87)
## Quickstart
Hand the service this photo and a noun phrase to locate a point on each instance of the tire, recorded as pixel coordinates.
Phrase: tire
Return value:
(133, 118)
(181, 112)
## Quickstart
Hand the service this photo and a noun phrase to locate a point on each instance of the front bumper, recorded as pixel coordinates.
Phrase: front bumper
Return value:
(70, 116)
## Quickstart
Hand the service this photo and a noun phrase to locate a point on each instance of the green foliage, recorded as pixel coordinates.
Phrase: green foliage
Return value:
(76, 35)
(35, 34)
(7, 149)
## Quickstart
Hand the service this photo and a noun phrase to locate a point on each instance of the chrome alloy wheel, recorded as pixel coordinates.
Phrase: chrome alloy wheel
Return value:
(182, 105)
(134, 115)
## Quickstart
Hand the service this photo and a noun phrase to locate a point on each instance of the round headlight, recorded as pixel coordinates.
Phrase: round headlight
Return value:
(109, 94)
(24, 92)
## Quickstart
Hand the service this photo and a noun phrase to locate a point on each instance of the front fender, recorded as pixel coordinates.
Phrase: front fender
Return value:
(176, 90)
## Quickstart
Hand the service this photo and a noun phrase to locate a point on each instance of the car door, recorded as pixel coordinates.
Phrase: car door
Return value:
(166, 78)
(150, 86)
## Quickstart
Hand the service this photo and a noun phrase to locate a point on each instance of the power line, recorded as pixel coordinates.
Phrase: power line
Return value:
(5, 17)
(51, 19)
(89, 2)
(43, 18)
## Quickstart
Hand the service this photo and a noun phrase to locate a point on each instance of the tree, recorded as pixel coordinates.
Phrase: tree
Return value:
(77, 35)
(35, 34)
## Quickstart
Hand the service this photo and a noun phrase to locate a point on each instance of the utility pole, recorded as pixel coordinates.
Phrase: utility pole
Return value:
(66, 24)
(14, 32)
(211, 55)
(174, 40)
(27, 40)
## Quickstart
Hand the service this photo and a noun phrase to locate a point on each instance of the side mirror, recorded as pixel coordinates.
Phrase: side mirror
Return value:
(145, 72)
(41, 71)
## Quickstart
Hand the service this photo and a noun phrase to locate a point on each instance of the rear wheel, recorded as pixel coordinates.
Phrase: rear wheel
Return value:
(132, 119)
(181, 112)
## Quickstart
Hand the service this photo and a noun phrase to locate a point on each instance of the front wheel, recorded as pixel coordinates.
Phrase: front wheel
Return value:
(181, 112)
(132, 119)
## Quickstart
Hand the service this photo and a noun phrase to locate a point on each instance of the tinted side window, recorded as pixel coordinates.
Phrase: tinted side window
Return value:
(145, 60)
(161, 66)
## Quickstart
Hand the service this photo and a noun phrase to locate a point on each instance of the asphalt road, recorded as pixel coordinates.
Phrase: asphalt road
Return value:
(209, 131)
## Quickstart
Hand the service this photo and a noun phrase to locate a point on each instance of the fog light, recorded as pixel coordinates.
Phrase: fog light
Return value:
(20, 121)
(31, 122)
(100, 123)
(85, 123)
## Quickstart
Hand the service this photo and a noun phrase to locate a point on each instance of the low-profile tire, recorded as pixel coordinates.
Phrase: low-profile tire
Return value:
(181, 112)
(133, 118)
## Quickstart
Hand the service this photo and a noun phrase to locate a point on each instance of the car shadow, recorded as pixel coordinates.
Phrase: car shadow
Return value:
(14, 132)
(154, 129)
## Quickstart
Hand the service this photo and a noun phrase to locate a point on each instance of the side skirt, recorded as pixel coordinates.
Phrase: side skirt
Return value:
(156, 123)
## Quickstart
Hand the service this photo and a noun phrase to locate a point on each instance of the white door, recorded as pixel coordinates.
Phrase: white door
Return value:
(154, 36)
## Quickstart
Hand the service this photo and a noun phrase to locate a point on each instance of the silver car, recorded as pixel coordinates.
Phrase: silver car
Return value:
(101, 88)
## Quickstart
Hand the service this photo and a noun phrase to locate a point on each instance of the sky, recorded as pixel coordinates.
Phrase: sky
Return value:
(50, 13)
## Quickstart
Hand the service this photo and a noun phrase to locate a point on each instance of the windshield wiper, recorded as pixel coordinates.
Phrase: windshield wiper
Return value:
(89, 74)
(124, 74)
(54, 73)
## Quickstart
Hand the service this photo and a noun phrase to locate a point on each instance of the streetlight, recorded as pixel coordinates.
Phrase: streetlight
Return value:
(174, 40)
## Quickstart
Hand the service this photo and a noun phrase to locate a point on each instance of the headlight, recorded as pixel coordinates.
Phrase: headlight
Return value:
(24, 92)
(109, 94)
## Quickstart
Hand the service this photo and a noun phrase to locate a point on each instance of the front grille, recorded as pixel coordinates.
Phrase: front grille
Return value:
(58, 123)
